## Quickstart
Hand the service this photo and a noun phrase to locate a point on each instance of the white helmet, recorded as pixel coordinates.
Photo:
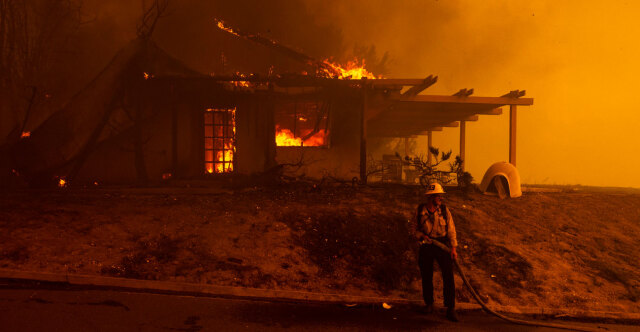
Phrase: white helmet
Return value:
(434, 188)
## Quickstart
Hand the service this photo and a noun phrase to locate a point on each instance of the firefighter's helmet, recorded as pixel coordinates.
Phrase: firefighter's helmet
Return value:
(434, 188)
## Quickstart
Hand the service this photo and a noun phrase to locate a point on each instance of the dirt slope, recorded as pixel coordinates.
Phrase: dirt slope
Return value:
(574, 248)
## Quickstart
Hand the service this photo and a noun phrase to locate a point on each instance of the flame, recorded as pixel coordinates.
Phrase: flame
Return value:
(284, 137)
(147, 75)
(25, 134)
(226, 156)
(95, 183)
(352, 70)
(221, 26)
(62, 183)
(223, 160)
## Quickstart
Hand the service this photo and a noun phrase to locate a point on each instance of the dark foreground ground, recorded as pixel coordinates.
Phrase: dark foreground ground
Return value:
(568, 248)
(26, 308)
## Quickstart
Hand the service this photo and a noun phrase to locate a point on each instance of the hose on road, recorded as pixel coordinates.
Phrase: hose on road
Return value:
(508, 319)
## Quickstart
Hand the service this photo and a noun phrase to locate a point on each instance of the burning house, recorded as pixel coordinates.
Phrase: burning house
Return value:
(148, 117)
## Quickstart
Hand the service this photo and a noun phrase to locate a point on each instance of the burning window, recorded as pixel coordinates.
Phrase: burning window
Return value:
(219, 140)
(302, 123)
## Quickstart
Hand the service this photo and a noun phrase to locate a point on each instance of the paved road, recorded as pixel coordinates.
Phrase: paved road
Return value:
(36, 309)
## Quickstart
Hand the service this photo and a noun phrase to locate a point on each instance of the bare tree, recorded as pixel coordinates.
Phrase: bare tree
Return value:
(33, 35)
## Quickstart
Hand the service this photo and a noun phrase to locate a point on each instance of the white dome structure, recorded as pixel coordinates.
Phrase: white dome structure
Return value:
(502, 179)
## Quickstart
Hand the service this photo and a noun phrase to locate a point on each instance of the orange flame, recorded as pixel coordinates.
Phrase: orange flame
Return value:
(25, 134)
(226, 156)
(223, 27)
(352, 70)
(62, 183)
(223, 159)
(284, 137)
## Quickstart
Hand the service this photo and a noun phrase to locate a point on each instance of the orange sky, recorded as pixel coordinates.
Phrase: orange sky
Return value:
(577, 59)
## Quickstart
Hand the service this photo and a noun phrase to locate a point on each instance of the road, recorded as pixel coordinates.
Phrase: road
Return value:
(38, 309)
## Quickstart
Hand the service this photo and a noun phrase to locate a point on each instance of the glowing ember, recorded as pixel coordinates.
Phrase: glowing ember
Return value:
(223, 27)
(15, 172)
(147, 75)
(95, 183)
(284, 137)
(352, 70)
(166, 176)
(62, 183)
(25, 134)
(244, 84)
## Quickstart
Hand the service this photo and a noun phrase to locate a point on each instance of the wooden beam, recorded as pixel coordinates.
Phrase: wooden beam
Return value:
(429, 108)
(392, 81)
(411, 125)
(406, 131)
(463, 128)
(512, 133)
(470, 100)
(402, 133)
(515, 94)
(416, 89)
(413, 116)
(363, 137)
(464, 93)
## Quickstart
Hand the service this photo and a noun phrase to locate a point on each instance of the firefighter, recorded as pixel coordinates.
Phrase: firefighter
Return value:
(434, 222)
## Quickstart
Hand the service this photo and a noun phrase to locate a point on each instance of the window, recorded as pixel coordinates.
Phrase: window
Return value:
(219, 140)
(302, 123)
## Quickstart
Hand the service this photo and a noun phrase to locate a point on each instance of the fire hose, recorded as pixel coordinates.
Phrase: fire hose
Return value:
(508, 319)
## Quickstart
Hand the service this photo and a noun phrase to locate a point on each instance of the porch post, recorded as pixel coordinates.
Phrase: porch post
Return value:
(463, 127)
(363, 136)
(512, 134)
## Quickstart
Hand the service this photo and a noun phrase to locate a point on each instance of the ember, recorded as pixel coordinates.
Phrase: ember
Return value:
(244, 84)
(223, 27)
(62, 183)
(25, 134)
(166, 176)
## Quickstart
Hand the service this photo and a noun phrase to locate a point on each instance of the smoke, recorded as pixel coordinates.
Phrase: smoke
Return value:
(576, 59)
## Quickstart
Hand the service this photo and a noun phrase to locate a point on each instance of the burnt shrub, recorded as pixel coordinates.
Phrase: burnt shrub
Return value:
(511, 270)
(372, 246)
(17, 253)
(147, 259)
